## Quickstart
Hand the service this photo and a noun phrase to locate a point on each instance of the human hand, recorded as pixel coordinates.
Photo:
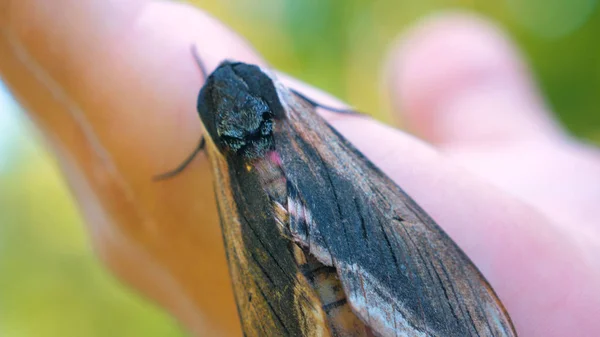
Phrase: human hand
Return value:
(113, 88)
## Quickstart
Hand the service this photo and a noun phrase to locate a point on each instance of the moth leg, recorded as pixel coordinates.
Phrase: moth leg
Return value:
(183, 165)
(328, 108)
(199, 62)
(202, 143)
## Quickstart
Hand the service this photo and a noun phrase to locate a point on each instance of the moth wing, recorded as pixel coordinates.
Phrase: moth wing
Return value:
(272, 297)
(402, 275)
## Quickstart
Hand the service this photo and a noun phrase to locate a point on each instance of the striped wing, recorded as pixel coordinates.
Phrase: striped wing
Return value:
(402, 275)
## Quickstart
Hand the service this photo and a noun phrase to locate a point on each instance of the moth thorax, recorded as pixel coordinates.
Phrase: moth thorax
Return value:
(247, 129)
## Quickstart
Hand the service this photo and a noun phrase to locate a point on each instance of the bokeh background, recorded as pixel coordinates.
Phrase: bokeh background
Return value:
(51, 284)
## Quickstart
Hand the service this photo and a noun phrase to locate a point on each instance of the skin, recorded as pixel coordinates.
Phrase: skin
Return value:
(113, 87)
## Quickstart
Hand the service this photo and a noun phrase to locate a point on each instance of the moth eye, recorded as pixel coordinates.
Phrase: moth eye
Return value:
(267, 127)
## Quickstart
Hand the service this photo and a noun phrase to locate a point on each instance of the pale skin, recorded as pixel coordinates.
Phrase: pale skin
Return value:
(112, 86)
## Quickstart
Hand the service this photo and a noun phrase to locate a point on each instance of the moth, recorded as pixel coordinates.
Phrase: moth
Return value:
(319, 241)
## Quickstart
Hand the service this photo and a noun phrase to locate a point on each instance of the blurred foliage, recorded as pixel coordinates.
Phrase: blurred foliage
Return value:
(50, 282)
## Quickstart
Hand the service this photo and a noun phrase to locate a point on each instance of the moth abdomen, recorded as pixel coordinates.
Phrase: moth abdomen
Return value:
(334, 302)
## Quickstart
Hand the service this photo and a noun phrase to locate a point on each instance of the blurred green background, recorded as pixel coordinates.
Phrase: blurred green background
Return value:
(50, 282)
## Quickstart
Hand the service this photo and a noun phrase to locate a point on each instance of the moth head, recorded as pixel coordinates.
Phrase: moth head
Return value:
(238, 106)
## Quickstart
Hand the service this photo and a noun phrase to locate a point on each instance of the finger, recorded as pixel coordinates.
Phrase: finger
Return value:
(462, 85)
(116, 100)
(456, 79)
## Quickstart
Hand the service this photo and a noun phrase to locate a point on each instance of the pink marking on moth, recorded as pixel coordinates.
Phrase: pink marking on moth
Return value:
(271, 174)
(274, 157)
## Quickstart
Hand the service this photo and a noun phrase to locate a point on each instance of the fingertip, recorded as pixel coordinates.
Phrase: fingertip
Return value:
(456, 77)
(117, 98)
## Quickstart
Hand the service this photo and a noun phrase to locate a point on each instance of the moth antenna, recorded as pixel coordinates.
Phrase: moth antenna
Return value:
(326, 107)
(199, 62)
(183, 165)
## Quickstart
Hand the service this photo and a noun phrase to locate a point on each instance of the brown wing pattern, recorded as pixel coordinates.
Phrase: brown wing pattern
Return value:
(402, 274)
(272, 296)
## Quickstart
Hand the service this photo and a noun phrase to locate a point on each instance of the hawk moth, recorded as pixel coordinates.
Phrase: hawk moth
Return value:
(319, 241)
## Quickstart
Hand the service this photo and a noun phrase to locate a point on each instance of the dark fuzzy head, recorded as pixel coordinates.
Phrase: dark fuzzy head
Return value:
(238, 106)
